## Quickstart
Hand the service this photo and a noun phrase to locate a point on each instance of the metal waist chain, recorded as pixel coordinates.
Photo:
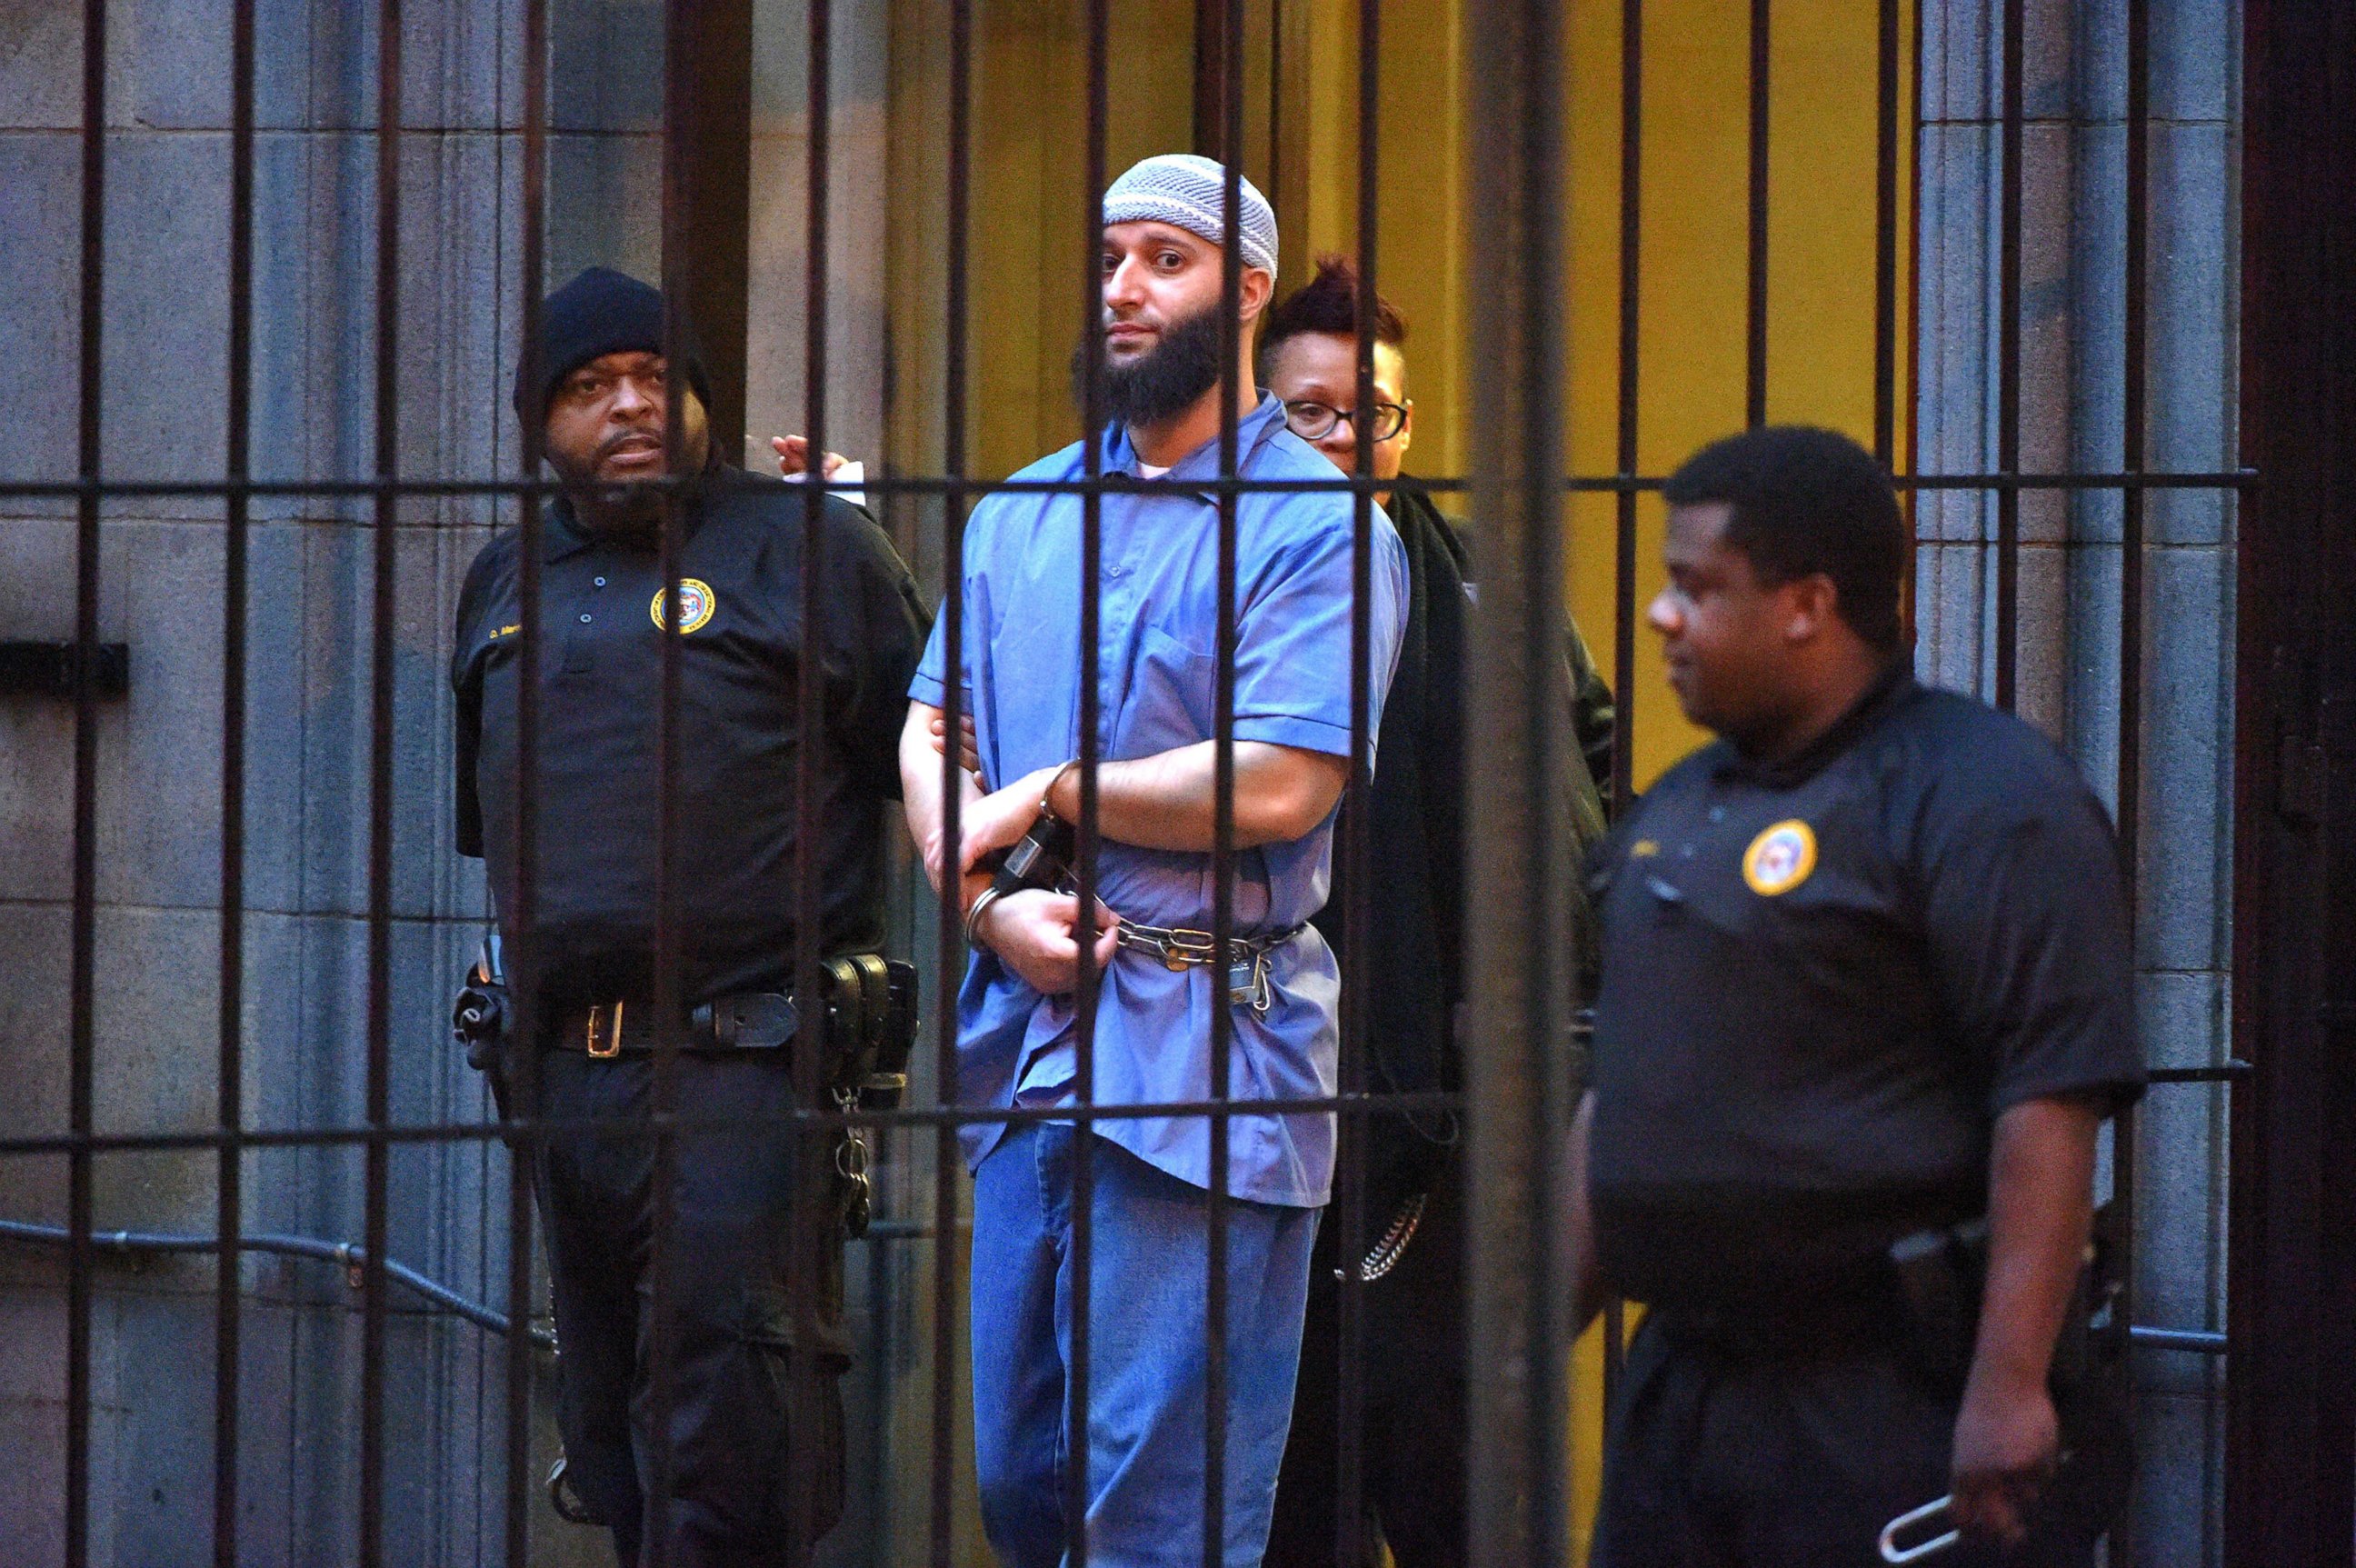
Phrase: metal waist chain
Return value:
(1180, 947)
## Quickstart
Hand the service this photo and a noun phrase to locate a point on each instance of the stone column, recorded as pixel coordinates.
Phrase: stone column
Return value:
(2073, 261)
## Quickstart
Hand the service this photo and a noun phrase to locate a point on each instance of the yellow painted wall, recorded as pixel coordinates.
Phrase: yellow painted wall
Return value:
(1301, 140)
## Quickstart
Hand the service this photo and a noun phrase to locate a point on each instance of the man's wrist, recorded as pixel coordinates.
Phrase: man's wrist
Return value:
(2004, 1373)
(1048, 807)
(976, 912)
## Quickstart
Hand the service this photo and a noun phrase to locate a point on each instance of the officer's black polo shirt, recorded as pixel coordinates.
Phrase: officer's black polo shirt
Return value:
(1824, 980)
(738, 733)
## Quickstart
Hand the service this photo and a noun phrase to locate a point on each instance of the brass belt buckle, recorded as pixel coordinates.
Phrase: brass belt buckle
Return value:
(612, 1045)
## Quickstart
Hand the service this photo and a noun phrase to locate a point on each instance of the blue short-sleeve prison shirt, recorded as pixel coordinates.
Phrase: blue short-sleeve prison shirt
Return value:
(1158, 610)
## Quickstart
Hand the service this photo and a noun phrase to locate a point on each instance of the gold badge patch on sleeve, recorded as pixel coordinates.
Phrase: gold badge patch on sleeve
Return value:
(1779, 858)
(696, 603)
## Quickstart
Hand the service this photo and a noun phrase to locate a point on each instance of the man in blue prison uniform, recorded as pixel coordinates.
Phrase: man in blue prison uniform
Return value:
(1158, 595)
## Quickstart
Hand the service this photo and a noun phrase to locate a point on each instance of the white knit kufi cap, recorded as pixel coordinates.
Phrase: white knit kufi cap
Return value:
(1190, 192)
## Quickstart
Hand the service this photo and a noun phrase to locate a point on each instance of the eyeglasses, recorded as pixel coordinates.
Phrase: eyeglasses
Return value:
(1315, 421)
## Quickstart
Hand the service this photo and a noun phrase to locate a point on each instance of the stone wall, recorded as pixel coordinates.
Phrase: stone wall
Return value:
(2073, 265)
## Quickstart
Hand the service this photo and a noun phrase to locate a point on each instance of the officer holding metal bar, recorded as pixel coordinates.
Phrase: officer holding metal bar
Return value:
(1166, 383)
(737, 1327)
(1867, 999)
(1410, 1374)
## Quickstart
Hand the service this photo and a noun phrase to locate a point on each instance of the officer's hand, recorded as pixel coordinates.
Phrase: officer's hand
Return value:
(793, 455)
(1031, 931)
(999, 819)
(2008, 1441)
(968, 749)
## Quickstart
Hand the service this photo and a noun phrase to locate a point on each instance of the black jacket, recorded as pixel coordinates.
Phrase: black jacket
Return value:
(1414, 944)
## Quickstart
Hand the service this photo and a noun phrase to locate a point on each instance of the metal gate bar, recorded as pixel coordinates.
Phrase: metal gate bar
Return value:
(229, 1298)
(384, 537)
(2007, 396)
(1754, 357)
(1516, 1319)
(91, 394)
(1353, 1135)
(949, 948)
(522, 955)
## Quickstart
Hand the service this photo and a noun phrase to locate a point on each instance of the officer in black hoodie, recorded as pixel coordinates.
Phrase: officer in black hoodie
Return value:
(1412, 1370)
(746, 1318)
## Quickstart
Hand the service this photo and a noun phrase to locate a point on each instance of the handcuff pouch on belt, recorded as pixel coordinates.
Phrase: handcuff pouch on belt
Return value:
(871, 1027)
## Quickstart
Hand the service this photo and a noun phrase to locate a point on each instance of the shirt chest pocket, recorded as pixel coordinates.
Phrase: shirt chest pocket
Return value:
(1171, 698)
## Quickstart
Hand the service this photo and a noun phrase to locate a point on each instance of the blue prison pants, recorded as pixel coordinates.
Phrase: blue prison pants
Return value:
(1148, 1330)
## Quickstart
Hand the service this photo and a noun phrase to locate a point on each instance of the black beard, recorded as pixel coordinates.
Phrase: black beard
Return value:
(1162, 384)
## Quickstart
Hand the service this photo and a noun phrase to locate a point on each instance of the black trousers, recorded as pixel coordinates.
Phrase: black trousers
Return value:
(1411, 1384)
(1715, 1461)
(754, 1448)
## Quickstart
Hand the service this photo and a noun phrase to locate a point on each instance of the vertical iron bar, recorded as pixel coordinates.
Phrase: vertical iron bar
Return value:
(1091, 719)
(1516, 1308)
(1754, 378)
(2008, 397)
(1222, 793)
(1354, 1133)
(230, 1207)
(678, 54)
(522, 901)
(1885, 237)
(380, 713)
(1624, 558)
(1274, 169)
(950, 935)
(812, 1235)
(1907, 498)
(2129, 791)
(81, 992)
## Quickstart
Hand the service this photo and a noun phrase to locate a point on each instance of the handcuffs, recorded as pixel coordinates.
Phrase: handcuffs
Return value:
(1042, 859)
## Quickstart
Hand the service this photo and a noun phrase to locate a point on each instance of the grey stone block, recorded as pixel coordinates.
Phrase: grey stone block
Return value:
(776, 338)
(40, 268)
(2178, 1496)
(2193, 382)
(2186, 872)
(605, 66)
(2196, 60)
(2180, 1276)
(1958, 61)
(40, 68)
(33, 1425)
(2183, 1020)
(1950, 615)
(170, 64)
(2041, 692)
(167, 315)
(338, 732)
(604, 205)
(2089, 665)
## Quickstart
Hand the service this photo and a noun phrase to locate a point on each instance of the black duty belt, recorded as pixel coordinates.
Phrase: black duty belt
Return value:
(747, 1021)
